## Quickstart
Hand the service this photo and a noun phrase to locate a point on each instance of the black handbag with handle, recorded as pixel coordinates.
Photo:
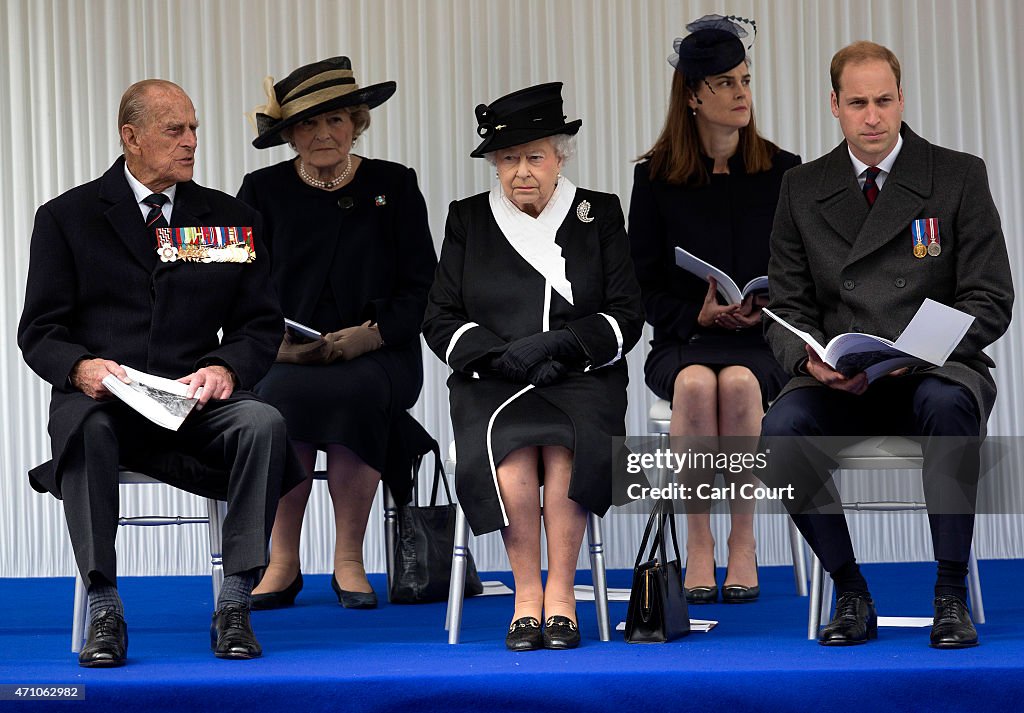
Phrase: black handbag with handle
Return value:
(657, 604)
(423, 547)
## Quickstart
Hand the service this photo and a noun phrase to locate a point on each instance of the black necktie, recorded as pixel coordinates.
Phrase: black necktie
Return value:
(155, 217)
(870, 187)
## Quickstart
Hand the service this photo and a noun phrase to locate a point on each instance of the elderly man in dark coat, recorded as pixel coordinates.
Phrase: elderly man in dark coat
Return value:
(862, 236)
(99, 297)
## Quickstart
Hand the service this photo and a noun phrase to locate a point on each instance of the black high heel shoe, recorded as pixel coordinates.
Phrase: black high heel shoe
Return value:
(278, 600)
(741, 594)
(353, 600)
(703, 595)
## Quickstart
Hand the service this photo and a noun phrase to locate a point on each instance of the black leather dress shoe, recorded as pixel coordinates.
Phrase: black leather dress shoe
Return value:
(278, 600)
(106, 645)
(952, 627)
(740, 594)
(855, 621)
(231, 635)
(561, 632)
(524, 634)
(353, 600)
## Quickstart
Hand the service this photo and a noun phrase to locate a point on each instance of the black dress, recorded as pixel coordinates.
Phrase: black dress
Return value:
(486, 295)
(339, 258)
(727, 223)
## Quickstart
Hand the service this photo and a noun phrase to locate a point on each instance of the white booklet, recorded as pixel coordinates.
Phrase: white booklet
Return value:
(930, 338)
(727, 287)
(160, 400)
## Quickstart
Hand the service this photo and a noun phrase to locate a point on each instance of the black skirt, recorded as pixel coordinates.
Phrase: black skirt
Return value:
(716, 351)
(531, 421)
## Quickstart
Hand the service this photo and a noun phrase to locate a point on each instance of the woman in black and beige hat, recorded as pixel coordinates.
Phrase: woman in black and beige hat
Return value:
(710, 185)
(352, 258)
(534, 306)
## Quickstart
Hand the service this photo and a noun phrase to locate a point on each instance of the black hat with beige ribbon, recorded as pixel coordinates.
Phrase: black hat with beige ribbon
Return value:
(521, 117)
(308, 91)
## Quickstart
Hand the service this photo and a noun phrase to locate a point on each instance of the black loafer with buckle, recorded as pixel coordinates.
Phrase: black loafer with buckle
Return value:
(524, 634)
(561, 632)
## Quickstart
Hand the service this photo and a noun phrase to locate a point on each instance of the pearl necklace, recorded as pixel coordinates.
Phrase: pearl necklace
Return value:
(333, 183)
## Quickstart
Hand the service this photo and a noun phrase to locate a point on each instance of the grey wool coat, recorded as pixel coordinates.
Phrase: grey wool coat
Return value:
(837, 266)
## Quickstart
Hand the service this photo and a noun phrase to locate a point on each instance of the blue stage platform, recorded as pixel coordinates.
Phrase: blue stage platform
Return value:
(319, 656)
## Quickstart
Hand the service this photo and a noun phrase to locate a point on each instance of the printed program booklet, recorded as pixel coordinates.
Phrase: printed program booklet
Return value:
(727, 287)
(929, 339)
(160, 400)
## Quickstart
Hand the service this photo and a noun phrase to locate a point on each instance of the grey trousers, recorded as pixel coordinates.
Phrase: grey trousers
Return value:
(235, 450)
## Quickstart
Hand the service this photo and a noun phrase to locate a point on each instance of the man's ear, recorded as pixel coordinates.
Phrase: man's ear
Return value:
(130, 138)
(834, 102)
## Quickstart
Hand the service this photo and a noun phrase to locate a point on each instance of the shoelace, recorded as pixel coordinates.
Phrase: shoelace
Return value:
(950, 609)
(105, 625)
(235, 618)
(846, 607)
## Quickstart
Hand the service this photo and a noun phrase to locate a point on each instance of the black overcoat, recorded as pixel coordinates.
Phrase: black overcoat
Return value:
(96, 288)
(486, 295)
(837, 266)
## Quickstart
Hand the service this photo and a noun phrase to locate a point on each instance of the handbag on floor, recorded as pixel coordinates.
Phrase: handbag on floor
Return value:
(657, 604)
(423, 547)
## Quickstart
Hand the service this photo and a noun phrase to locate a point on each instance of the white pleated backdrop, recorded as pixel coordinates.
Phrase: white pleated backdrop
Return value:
(68, 61)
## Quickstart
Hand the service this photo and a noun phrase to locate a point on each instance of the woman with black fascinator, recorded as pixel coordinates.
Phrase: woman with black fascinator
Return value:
(710, 185)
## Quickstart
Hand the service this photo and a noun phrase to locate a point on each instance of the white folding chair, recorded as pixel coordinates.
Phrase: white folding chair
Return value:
(216, 509)
(457, 588)
(658, 419)
(878, 453)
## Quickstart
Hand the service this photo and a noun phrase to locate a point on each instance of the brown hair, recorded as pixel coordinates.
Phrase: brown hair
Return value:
(676, 155)
(862, 51)
(133, 108)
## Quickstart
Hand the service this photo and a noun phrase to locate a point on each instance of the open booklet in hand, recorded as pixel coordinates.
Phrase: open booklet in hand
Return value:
(160, 400)
(928, 340)
(727, 287)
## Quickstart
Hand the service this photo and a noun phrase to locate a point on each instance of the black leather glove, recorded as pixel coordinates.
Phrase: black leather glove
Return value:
(523, 354)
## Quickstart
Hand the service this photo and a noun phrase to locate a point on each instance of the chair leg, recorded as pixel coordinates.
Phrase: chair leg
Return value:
(816, 598)
(974, 587)
(216, 511)
(599, 575)
(81, 613)
(390, 533)
(457, 586)
(796, 545)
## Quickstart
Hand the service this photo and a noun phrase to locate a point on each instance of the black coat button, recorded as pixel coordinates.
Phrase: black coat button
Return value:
(900, 282)
(848, 284)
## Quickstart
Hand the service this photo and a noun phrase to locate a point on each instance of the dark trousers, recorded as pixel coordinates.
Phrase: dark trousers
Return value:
(234, 450)
(943, 416)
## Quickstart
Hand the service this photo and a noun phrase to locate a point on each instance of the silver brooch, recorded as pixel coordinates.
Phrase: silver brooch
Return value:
(582, 211)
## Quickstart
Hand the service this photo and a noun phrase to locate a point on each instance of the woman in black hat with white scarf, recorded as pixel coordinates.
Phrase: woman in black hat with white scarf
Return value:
(710, 185)
(534, 306)
(352, 257)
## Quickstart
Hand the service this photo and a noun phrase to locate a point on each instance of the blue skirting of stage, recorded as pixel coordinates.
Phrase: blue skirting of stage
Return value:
(319, 656)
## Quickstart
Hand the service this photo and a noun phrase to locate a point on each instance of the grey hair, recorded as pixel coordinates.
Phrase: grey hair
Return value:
(564, 145)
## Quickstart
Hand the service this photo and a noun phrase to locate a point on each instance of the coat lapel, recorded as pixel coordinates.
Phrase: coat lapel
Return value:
(842, 204)
(900, 200)
(125, 217)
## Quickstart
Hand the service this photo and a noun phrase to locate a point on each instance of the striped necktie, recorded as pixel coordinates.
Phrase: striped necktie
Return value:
(155, 217)
(870, 187)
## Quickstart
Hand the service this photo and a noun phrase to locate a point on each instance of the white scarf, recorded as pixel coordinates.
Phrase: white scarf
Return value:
(534, 238)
